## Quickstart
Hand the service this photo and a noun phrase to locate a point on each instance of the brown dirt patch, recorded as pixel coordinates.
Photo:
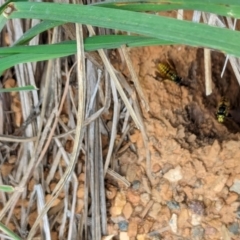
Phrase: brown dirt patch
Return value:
(194, 159)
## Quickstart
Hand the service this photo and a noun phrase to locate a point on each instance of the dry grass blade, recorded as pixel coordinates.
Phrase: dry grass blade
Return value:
(93, 117)
(126, 130)
(196, 16)
(40, 204)
(208, 71)
(118, 177)
(86, 193)
(103, 207)
(147, 208)
(236, 67)
(93, 150)
(54, 166)
(17, 139)
(94, 180)
(210, 19)
(107, 100)
(180, 14)
(71, 232)
(74, 182)
(116, 110)
(233, 61)
(134, 78)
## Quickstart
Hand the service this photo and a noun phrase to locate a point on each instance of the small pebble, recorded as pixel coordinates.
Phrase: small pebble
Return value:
(191, 138)
(145, 198)
(196, 219)
(197, 207)
(123, 236)
(166, 167)
(118, 204)
(210, 231)
(123, 226)
(174, 175)
(154, 236)
(133, 197)
(232, 197)
(156, 207)
(236, 186)
(136, 184)
(219, 203)
(156, 168)
(132, 229)
(181, 133)
(234, 228)
(198, 183)
(127, 210)
(197, 233)
(111, 192)
(118, 219)
(141, 236)
(138, 209)
(173, 205)
(173, 223)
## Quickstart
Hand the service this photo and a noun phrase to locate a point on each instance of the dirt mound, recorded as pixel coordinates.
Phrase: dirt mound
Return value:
(194, 158)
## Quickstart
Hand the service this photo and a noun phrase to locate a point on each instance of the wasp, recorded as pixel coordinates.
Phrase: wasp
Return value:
(223, 110)
(166, 71)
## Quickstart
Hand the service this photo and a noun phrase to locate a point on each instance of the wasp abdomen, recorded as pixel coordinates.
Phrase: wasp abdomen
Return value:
(223, 110)
(166, 71)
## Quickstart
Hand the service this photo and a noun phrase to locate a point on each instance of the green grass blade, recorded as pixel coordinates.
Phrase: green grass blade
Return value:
(6, 188)
(17, 89)
(90, 44)
(219, 7)
(160, 27)
(9, 61)
(10, 233)
(116, 41)
(67, 47)
(3, 22)
(22, 54)
(37, 29)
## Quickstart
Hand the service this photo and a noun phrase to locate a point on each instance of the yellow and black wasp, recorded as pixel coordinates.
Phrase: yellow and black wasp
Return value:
(166, 71)
(223, 110)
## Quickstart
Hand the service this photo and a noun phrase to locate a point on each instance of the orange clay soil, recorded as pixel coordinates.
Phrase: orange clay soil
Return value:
(195, 160)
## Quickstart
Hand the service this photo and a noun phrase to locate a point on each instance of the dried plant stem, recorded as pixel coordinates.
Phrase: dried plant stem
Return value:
(114, 128)
(147, 208)
(118, 177)
(208, 71)
(17, 139)
(134, 78)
